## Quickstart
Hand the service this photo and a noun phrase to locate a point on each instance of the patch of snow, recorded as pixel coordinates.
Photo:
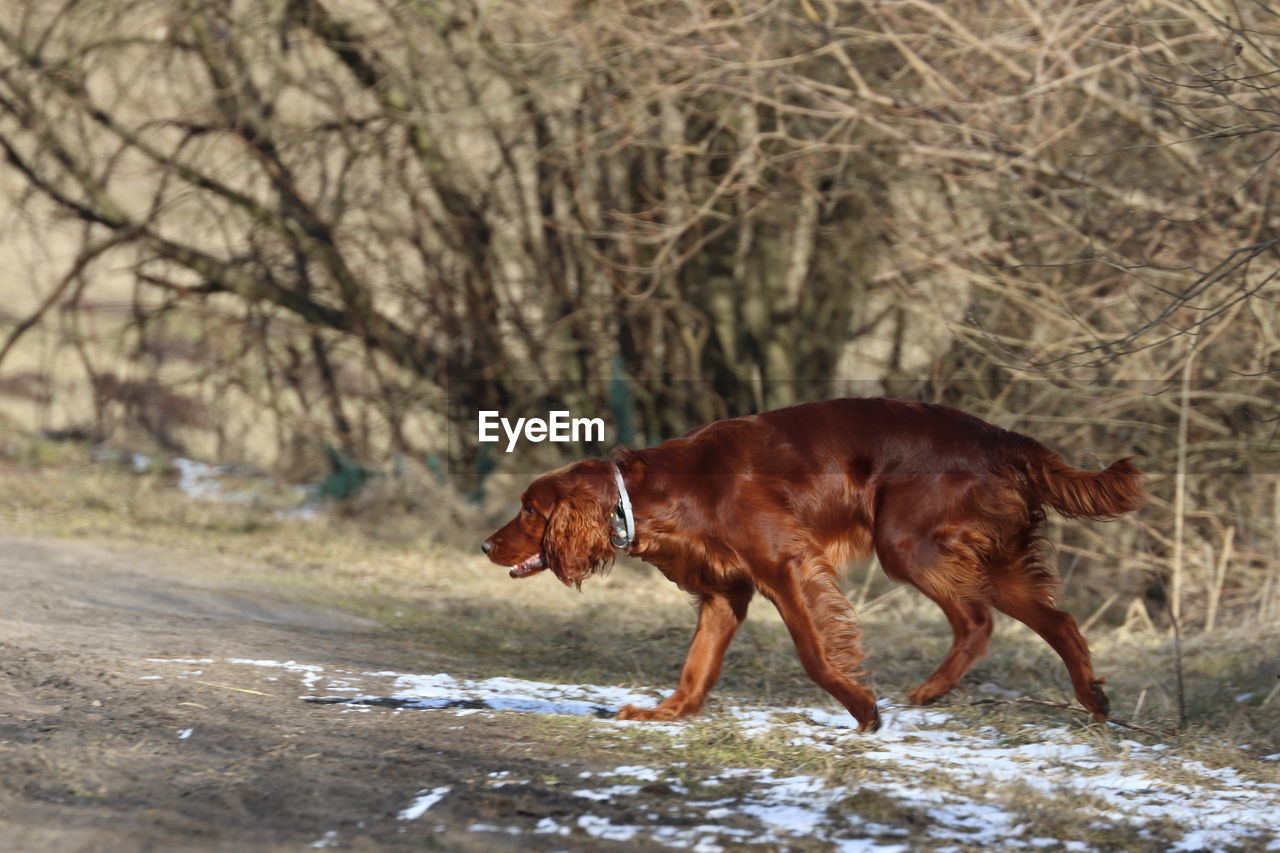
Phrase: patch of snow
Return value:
(181, 660)
(199, 480)
(1215, 807)
(601, 827)
(330, 839)
(426, 799)
(548, 826)
(185, 733)
(441, 691)
(488, 827)
(290, 665)
(302, 512)
(644, 774)
(605, 794)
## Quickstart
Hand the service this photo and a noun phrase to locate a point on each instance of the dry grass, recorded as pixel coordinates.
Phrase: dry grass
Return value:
(407, 560)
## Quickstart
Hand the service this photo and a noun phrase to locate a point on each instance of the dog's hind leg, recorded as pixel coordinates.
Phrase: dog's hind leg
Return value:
(971, 625)
(1023, 588)
(944, 558)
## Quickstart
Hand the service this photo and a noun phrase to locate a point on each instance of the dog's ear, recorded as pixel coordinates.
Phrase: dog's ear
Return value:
(576, 543)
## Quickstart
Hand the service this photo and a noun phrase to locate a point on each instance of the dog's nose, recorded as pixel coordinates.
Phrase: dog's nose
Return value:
(486, 546)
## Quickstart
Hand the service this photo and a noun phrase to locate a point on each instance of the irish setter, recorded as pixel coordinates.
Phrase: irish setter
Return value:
(775, 503)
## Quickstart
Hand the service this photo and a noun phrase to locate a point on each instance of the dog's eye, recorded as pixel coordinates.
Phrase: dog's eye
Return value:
(527, 510)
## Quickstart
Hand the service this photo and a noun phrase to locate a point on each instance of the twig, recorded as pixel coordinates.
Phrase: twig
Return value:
(1176, 624)
(1138, 707)
(872, 565)
(1026, 700)
(1097, 614)
(1177, 671)
(1180, 482)
(1215, 593)
(880, 600)
(1272, 589)
(230, 687)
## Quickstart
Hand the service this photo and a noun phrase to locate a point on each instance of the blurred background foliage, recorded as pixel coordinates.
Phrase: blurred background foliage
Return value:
(251, 231)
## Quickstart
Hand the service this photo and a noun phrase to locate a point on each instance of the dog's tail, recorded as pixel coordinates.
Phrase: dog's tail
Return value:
(1074, 492)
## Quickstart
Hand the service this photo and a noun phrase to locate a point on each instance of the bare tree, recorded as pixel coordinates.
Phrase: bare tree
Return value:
(370, 220)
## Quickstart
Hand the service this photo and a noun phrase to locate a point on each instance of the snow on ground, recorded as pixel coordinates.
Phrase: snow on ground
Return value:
(1212, 808)
(425, 800)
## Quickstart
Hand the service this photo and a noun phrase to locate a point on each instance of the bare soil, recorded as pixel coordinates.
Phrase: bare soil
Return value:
(91, 756)
(147, 702)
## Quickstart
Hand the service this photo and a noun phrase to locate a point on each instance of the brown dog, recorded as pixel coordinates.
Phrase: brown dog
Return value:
(774, 503)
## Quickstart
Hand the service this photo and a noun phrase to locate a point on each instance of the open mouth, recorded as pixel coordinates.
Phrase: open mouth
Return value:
(531, 566)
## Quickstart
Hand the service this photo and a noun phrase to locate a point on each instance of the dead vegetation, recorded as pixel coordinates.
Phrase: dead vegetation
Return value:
(632, 627)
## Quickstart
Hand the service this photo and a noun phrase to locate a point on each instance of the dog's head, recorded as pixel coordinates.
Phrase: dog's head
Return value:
(563, 524)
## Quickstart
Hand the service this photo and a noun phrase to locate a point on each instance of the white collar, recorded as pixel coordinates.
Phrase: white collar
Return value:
(622, 522)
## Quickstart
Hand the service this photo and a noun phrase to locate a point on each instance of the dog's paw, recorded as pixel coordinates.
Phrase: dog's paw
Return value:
(631, 712)
(1101, 706)
(664, 711)
(871, 724)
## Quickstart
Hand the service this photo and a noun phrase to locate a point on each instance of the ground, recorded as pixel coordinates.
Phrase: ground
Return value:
(218, 690)
(91, 745)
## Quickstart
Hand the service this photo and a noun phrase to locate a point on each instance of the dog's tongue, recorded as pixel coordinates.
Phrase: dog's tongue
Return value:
(531, 566)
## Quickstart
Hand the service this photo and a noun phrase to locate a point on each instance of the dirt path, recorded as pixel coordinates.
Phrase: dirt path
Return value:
(105, 747)
(149, 703)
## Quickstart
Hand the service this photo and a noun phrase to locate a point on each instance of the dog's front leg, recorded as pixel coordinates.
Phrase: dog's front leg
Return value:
(820, 621)
(719, 616)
